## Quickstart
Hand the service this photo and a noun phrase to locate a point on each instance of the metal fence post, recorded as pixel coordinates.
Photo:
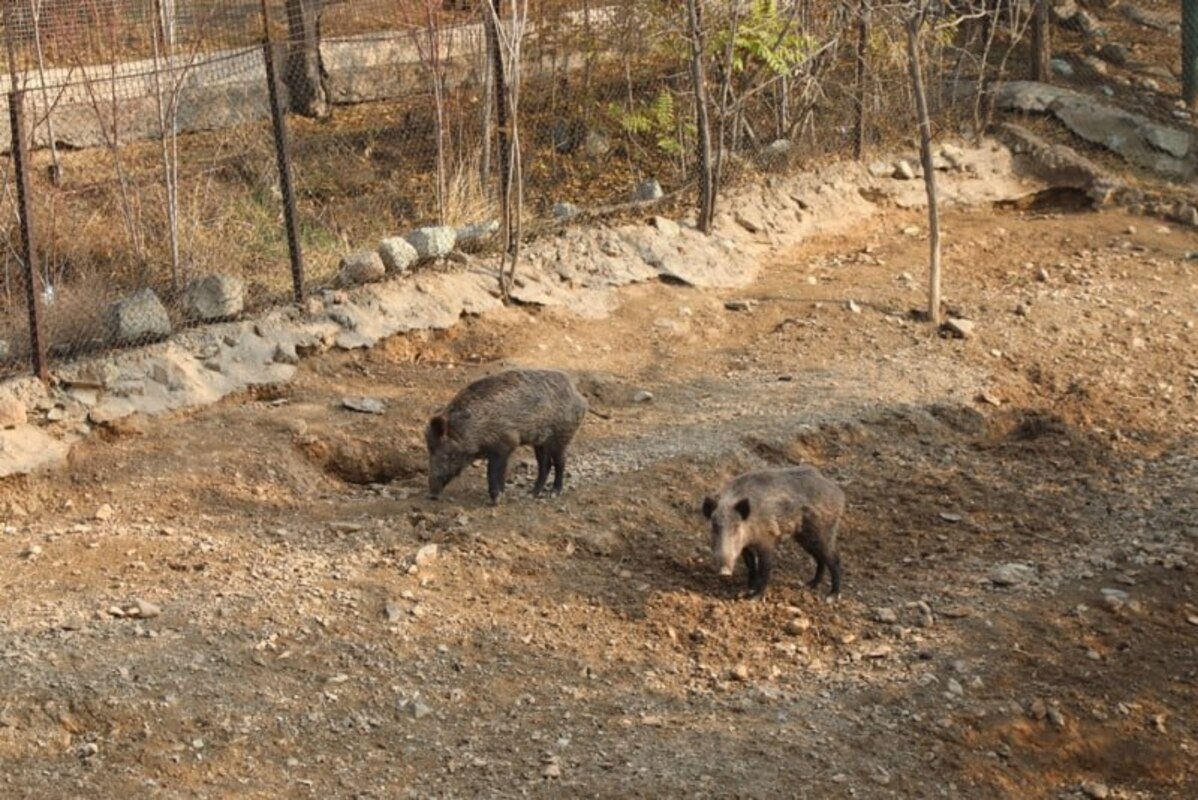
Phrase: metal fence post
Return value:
(1189, 53)
(283, 159)
(33, 276)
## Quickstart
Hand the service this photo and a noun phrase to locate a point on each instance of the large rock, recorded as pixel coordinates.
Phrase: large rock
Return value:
(432, 242)
(397, 254)
(364, 266)
(214, 297)
(1171, 152)
(12, 411)
(138, 318)
(477, 234)
(28, 449)
(775, 155)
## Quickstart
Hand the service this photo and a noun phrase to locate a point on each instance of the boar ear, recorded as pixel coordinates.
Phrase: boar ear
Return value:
(439, 425)
(708, 507)
(742, 508)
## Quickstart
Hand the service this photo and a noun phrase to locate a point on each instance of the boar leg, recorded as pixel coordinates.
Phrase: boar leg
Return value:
(557, 456)
(542, 452)
(497, 473)
(760, 564)
(834, 566)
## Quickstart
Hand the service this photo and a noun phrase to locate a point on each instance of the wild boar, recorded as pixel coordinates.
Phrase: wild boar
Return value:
(752, 514)
(495, 415)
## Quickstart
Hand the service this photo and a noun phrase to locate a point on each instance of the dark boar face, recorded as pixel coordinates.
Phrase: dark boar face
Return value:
(729, 531)
(446, 460)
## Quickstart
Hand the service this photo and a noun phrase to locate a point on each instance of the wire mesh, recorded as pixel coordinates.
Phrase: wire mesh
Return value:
(154, 180)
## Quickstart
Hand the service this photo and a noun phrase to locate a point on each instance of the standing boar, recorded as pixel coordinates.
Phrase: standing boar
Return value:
(495, 415)
(757, 509)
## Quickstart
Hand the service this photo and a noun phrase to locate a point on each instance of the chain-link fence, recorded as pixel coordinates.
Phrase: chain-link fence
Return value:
(161, 191)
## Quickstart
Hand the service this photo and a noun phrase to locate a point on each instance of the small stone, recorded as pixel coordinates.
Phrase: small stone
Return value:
(797, 625)
(1056, 717)
(565, 211)
(958, 328)
(955, 688)
(1062, 67)
(989, 399)
(881, 169)
(393, 611)
(667, 227)
(643, 396)
(903, 170)
(853, 307)
(104, 513)
(426, 555)
(739, 305)
(887, 616)
(142, 609)
(420, 710)
(1192, 619)
(648, 191)
(397, 254)
(748, 220)
(949, 516)
(116, 611)
(911, 230)
(1158, 722)
(1038, 709)
(740, 672)
(1095, 791)
(364, 405)
(56, 414)
(364, 266)
(1114, 53)
(1011, 574)
(31, 552)
(88, 749)
(552, 770)
(1042, 275)
(432, 242)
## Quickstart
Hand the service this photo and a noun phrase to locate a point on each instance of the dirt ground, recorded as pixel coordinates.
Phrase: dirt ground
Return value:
(1019, 616)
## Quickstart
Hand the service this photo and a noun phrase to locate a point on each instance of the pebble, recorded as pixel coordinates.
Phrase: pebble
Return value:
(1056, 717)
(420, 709)
(740, 672)
(426, 555)
(1096, 791)
(1192, 619)
(960, 328)
(1038, 709)
(798, 625)
(142, 609)
(104, 513)
(1158, 722)
(738, 305)
(642, 396)
(364, 405)
(885, 615)
(88, 750)
(32, 551)
(393, 611)
(853, 307)
(1012, 574)
(955, 688)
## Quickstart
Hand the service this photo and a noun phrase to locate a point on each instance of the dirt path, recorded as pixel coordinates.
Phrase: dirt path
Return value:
(1019, 617)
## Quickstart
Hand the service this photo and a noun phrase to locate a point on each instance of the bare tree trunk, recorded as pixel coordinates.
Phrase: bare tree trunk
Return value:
(168, 131)
(305, 74)
(862, 53)
(1041, 42)
(925, 156)
(706, 174)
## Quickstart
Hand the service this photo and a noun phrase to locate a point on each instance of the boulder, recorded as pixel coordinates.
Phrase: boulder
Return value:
(432, 242)
(140, 317)
(364, 266)
(214, 297)
(397, 254)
